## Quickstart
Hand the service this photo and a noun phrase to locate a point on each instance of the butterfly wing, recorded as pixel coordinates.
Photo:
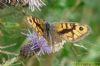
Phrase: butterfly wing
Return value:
(71, 31)
(54, 40)
(57, 41)
(36, 24)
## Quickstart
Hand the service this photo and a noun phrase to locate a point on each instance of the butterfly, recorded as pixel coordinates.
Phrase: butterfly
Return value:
(58, 33)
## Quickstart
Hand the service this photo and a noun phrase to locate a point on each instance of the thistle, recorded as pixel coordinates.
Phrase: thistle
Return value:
(35, 45)
(34, 4)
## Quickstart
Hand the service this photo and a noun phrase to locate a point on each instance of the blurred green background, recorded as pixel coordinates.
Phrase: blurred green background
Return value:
(12, 23)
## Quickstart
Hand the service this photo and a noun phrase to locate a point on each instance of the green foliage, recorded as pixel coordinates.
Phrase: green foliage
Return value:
(12, 24)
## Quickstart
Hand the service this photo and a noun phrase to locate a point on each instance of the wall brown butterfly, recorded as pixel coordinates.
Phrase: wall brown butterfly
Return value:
(58, 33)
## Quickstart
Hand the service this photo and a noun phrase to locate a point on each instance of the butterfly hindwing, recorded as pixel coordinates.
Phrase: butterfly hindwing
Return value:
(54, 40)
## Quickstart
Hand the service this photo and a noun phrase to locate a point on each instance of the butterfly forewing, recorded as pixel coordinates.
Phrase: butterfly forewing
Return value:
(37, 24)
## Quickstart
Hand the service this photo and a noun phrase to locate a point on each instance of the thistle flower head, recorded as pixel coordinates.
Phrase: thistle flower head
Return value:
(35, 45)
(31, 47)
(34, 4)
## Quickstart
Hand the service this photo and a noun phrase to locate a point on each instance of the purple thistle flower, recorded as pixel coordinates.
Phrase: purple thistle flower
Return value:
(31, 46)
(44, 47)
(26, 50)
(35, 45)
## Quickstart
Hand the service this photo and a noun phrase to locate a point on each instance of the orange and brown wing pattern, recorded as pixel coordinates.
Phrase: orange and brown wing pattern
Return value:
(71, 31)
(66, 30)
(37, 24)
(56, 34)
